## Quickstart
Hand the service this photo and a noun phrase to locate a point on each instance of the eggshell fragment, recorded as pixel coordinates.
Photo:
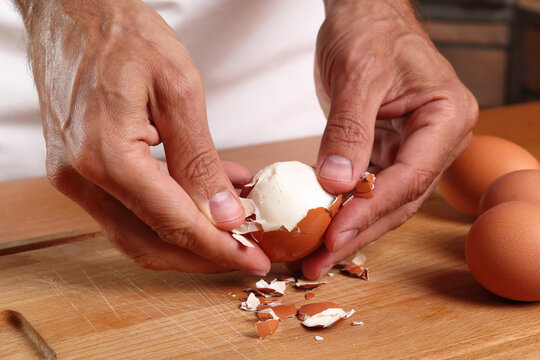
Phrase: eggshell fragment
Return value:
(309, 295)
(319, 338)
(322, 314)
(350, 268)
(242, 239)
(267, 313)
(251, 304)
(308, 285)
(364, 187)
(280, 311)
(518, 185)
(287, 279)
(486, 159)
(314, 308)
(274, 288)
(503, 250)
(266, 327)
(359, 258)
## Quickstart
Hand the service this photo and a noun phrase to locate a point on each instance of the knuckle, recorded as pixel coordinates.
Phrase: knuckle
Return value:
(421, 180)
(473, 109)
(139, 256)
(85, 160)
(344, 128)
(58, 173)
(151, 262)
(182, 237)
(186, 84)
(409, 210)
(202, 166)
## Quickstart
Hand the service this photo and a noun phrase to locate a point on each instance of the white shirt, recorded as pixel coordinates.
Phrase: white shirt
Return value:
(255, 58)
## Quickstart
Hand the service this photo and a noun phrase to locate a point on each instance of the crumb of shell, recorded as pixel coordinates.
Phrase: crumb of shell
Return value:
(319, 338)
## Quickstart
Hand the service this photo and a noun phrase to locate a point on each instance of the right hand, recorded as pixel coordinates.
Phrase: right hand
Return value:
(113, 80)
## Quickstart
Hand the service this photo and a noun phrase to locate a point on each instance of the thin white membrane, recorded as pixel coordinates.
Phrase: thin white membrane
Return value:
(327, 317)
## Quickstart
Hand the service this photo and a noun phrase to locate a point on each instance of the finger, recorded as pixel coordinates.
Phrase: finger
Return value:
(386, 144)
(160, 202)
(117, 159)
(129, 235)
(179, 112)
(420, 160)
(320, 263)
(348, 137)
(239, 175)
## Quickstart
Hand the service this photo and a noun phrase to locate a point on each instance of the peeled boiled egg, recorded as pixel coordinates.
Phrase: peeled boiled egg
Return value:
(290, 211)
(503, 248)
(517, 185)
(486, 159)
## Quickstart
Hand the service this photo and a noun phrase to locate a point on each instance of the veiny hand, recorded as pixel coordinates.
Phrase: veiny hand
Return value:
(114, 80)
(392, 102)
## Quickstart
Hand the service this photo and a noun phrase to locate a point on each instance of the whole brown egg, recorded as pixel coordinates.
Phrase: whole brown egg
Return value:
(486, 159)
(518, 185)
(503, 250)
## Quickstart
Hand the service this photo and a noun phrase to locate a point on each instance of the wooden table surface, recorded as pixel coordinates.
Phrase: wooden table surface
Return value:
(87, 301)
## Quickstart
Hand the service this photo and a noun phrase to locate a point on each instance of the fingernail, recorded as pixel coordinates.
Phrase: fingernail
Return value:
(257, 272)
(344, 238)
(336, 167)
(224, 207)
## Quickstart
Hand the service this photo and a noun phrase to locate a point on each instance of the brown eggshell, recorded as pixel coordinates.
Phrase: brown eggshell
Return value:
(267, 327)
(364, 187)
(503, 250)
(353, 269)
(315, 308)
(284, 246)
(486, 159)
(518, 185)
(282, 311)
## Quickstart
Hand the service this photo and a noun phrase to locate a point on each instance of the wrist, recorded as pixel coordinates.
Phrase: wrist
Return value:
(403, 6)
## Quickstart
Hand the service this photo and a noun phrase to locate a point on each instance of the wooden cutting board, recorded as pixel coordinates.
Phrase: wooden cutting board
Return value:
(89, 302)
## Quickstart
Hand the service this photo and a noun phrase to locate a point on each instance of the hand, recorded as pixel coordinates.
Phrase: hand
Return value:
(114, 80)
(392, 101)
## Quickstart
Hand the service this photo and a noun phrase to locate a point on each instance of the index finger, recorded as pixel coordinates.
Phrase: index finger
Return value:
(431, 140)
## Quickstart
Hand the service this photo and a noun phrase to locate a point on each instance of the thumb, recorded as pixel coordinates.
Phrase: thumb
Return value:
(347, 140)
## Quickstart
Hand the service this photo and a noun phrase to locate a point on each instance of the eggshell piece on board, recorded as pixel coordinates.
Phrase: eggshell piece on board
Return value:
(283, 246)
(267, 327)
(518, 185)
(315, 308)
(503, 250)
(486, 159)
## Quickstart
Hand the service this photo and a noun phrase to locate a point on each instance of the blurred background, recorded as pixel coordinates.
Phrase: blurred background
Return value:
(494, 45)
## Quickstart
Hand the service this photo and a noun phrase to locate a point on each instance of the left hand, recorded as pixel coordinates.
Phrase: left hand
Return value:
(393, 102)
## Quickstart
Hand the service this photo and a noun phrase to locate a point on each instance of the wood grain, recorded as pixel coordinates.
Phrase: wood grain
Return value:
(88, 301)
(420, 302)
(34, 214)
